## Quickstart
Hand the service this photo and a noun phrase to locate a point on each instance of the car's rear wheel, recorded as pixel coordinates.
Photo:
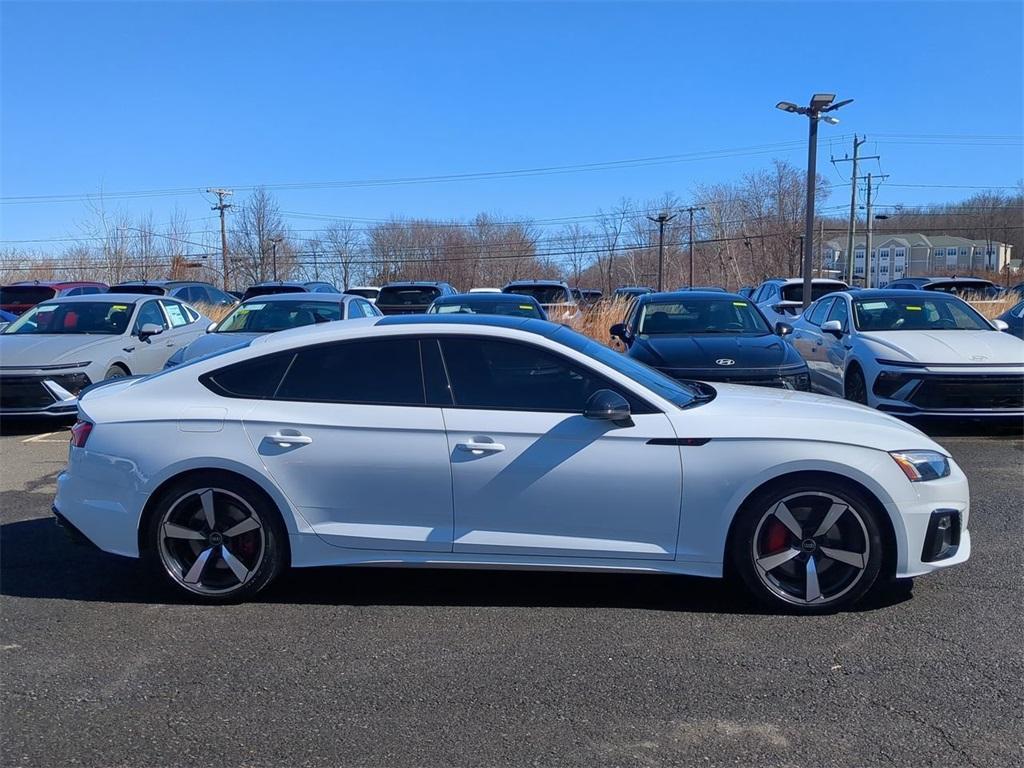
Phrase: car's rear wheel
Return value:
(855, 388)
(215, 537)
(812, 548)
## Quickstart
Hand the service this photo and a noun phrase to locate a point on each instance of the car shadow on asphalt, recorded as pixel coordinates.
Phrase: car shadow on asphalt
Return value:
(39, 561)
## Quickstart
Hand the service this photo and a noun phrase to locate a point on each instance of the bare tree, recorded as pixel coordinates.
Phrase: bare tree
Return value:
(256, 226)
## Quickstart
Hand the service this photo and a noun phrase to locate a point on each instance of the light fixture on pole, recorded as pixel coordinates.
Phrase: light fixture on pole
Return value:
(661, 218)
(821, 103)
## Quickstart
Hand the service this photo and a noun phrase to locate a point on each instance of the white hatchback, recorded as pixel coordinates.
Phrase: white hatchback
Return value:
(499, 443)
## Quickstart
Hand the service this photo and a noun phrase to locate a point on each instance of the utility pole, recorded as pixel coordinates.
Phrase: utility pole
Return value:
(821, 248)
(852, 226)
(661, 219)
(868, 261)
(222, 207)
(690, 210)
(274, 241)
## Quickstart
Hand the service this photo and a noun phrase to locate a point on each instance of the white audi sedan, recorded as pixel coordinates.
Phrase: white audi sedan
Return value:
(499, 442)
(59, 347)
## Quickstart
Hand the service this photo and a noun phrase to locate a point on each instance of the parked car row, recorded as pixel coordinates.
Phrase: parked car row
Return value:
(909, 353)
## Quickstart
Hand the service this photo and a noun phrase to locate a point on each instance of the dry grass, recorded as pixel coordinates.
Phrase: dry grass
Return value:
(214, 312)
(992, 309)
(595, 321)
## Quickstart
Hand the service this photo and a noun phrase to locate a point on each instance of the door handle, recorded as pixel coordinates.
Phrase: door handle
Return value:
(479, 449)
(288, 440)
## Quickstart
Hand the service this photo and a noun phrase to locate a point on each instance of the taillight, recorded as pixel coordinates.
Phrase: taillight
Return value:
(80, 433)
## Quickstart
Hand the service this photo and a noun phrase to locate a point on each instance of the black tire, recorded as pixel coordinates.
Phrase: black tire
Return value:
(115, 371)
(257, 551)
(854, 387)
(763, 536)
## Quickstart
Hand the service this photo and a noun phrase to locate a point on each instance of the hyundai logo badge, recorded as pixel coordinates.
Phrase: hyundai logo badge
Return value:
(725, 361)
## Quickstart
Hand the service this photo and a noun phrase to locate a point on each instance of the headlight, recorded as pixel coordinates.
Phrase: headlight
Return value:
(920, 466)
(799, 381)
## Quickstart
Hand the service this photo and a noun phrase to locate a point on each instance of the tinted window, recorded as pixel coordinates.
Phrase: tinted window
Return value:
(150, 313)
(270, 290)
(488, 373)
(817, 315)
(176, 313)
(378, 372)
(74, 292)
(25, 294)
(795, 291)
(544, 294)
(252, 379)
(524, 308)
(219, 297)
(366, 293)
(840, 312)
(393, 295)
(152, 290)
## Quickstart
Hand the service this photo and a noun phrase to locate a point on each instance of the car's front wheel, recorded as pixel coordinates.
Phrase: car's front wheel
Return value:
(814, 547)
(215, 537)
(855, 388)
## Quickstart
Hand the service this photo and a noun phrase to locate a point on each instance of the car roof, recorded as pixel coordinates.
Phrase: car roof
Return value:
(891, 293)
(459, 298)
(110, 298)
(163, 283)
(559, 283)
(414, 283)
(814, 281)
(696, 293)
(54, 283)
(533, 325)
(281, 298)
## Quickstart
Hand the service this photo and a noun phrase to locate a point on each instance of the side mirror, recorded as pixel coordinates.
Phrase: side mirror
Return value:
(606, 405)
(211, 327)
(783, 329)
(148, 330)
(834, 327)
(620, 331)
(1001, 325)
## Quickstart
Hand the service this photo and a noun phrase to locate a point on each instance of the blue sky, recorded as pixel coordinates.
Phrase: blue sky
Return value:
(153, 96)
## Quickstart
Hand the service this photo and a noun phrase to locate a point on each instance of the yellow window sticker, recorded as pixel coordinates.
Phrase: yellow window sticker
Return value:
(120, 307)
(739, 303)
(914, 309)
(526, 306)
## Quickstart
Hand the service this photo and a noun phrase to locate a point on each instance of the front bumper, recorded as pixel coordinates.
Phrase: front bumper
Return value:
(950, 393)
(44, 394)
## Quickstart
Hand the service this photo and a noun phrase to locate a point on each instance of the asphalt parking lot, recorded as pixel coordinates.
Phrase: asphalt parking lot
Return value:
(405, 667)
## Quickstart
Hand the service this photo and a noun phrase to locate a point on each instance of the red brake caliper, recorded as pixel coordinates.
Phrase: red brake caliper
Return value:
(777, 538)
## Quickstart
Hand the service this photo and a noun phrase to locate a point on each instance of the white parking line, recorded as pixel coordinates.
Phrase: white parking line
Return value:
(42, 438)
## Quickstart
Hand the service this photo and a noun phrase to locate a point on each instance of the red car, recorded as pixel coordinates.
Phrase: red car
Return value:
(19, 297)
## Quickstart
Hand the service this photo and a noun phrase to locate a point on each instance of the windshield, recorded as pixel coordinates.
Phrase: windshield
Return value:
(544, 294)
(692, 316)
(924, 314)
(795, 291)
(102, 317)
(271, 316)
(412, 296)
(676, 392)
(488, 307)
(25, 294)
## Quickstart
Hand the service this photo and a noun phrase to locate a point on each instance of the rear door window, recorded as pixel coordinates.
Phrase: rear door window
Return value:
(369, 372)
(176, 313)
(257, 379)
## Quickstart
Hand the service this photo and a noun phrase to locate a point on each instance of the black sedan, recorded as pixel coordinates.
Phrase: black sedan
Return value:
(711, 336)
(488, 304)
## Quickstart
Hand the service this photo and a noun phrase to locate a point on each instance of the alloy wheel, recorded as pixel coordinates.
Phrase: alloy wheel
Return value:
(211, 541)
(811, 548)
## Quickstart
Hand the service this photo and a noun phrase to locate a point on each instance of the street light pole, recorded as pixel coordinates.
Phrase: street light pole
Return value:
(661, 218)
(821, 103)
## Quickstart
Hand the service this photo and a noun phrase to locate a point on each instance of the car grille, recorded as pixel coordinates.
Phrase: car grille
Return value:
(969, 392)
(24, 392)
(716, 375)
